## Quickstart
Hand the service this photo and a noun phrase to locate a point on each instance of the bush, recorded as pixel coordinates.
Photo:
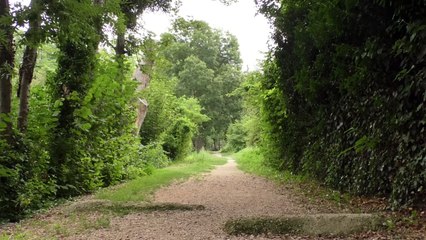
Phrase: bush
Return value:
(97, 150)
(178, 140)
(24, 166)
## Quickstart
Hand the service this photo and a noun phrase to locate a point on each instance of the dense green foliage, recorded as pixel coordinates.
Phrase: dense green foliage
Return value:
(171, 121)
(77, 43)
(343, 95)
(104, 151)
(81, 120)
(76, 122)
(247, 131)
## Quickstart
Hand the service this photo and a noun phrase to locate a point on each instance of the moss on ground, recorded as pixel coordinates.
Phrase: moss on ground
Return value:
(319, 224)
(122, 209)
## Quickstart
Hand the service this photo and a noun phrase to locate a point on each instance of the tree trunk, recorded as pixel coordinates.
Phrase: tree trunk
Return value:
(26, 75)
(198, 143)
(214, 144)
(26, 71)
(6, 69)
(120, 46)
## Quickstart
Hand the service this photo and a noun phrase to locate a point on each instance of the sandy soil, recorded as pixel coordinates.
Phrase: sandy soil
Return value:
(226, 193)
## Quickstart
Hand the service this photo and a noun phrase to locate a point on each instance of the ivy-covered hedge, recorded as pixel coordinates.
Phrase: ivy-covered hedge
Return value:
(100, 150)
(344, 94)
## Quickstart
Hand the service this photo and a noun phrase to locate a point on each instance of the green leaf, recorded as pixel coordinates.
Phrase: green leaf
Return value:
(413, 36)
(85, 126)
(58, 103)
(56, 113)
(5, 172)
(85, 113)
(3, 125)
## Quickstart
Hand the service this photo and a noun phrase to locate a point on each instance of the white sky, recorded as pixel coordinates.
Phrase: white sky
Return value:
(239, 19)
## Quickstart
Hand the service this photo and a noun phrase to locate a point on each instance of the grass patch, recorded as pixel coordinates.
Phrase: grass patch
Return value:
(140, 190)
(86, 223)
(251, 160)
(19, 236)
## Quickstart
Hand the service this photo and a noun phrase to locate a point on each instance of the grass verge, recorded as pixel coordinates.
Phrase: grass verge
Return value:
(251, 160)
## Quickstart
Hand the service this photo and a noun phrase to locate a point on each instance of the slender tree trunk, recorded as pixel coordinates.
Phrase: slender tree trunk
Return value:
(26, 75)
(120, 46)
(6, 68)
(29, 60)
(198, 143)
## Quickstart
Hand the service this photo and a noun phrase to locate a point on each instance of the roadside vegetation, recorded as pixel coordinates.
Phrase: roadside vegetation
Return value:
(252, 160)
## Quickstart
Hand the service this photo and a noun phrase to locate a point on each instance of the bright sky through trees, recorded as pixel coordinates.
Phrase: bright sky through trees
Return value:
(240, 19)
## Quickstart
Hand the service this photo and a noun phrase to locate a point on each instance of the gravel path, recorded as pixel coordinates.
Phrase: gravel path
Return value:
(226, 193)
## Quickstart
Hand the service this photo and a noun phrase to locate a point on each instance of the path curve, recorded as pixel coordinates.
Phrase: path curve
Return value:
(226, 193)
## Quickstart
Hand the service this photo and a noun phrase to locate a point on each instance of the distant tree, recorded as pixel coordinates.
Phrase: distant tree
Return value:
(194, 37)
(207, 64)
(195, 79)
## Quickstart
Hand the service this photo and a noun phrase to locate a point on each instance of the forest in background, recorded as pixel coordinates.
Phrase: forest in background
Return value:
(340, 97)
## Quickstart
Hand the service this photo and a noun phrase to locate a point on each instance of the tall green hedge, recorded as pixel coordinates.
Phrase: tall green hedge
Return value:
(344, 93)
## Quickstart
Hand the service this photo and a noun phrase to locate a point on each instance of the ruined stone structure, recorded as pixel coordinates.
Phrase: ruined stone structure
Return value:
(141, 104)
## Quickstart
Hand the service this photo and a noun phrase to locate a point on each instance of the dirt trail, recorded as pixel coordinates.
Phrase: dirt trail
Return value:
(226, 193)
